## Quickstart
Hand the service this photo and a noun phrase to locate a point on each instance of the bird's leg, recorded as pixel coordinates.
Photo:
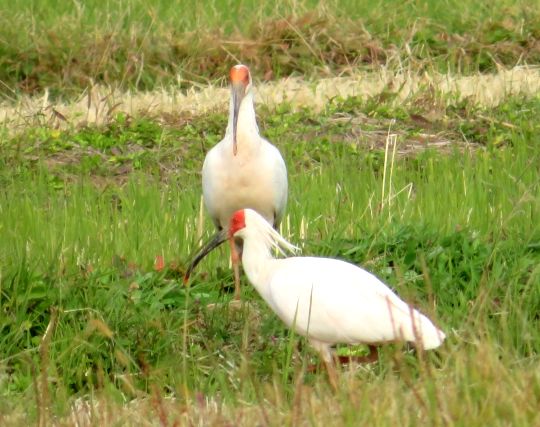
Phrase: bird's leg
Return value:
(236, 269)
(326, 356)
(235, 259)
(373, 356)
(332, 374)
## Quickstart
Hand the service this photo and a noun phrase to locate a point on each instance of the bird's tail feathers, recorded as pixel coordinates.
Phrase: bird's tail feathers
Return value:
(411, 325)
(423, 332)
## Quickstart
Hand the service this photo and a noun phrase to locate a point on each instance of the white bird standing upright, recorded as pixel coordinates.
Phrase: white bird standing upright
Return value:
(326, 300)
(243, 170)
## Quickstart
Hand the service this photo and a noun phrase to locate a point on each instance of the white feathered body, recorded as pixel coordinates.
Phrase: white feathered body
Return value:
(256, 177)
(331, 301)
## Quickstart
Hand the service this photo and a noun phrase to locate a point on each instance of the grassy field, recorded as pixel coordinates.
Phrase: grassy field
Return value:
(436, 194)
(141, 44)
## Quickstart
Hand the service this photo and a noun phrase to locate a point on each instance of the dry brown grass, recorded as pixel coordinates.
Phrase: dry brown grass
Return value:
(71, 50)
(454, 393)
(99, 104)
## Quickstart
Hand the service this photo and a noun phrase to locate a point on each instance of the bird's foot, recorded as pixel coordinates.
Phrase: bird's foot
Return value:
(236, 304)
(332, 374)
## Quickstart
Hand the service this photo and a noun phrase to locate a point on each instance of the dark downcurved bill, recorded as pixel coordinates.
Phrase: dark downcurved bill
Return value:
(238, 93)
(214, 242)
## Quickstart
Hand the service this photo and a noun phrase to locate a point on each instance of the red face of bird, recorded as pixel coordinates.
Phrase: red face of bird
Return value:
(240, 80)
(238, 222)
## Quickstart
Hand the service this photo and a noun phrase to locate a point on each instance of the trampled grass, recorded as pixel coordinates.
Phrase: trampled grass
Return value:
(454, 232)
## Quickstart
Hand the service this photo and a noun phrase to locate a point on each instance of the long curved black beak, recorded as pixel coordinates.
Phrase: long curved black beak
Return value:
(216, 240)
(238, 93)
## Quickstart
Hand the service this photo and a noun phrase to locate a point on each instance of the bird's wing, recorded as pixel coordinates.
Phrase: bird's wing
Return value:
(279, 179)
(335, 301)
(211, 171)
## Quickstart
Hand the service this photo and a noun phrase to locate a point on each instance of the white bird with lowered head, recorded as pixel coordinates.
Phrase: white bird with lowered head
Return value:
(243, 170)
(329, 301)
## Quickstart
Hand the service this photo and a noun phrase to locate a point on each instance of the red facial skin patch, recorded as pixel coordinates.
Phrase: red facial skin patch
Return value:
(238, 221)
(239, 73)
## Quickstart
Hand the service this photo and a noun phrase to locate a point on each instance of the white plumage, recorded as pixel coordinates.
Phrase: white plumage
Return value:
(327, 300)
(248, 173)
(243, 170)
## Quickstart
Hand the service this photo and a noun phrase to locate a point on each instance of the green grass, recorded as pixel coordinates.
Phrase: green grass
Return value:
(456, 232)
(68, 46)
(451, 220)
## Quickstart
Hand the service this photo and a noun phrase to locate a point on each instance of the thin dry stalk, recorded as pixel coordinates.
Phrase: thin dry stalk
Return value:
(44, 363)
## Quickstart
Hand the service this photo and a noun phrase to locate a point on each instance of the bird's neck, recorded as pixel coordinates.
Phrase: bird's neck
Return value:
(247, 131)
(256, 259)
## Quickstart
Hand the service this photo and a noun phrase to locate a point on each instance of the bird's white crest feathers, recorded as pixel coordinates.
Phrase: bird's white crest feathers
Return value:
(272, 238)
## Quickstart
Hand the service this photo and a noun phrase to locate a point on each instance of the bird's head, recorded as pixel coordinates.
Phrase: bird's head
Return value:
(247, 223)
(240, 85)
(244, 224)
